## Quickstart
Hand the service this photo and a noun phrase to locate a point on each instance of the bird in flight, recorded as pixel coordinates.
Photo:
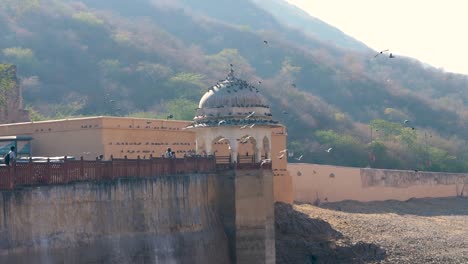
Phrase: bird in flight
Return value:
(221, 122)
(250, 115)
(252, 126)
(300, 157)
(381, 52)
(281, 156)
(245, 139)
(293, 85)
(243, 127)
(266, 42)
(406, 121)
(265, 161)
(328, 150)
(391, 56)
(222, 139)
(283, 151)
(170, 116)
(284, 112)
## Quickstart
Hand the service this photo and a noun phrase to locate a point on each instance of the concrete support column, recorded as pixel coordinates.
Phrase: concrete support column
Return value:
(197, 145)
(234, 150)
(258, 153)
(209, 148)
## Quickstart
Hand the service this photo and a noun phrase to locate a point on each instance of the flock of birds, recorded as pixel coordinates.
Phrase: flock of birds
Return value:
(328, 150)
(281, 155)
(283, 152)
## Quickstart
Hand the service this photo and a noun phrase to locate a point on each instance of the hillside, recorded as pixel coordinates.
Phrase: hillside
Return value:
(295, 17)
(149, 58)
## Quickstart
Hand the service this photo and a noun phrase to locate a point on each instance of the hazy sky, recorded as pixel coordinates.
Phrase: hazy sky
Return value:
(432, 31)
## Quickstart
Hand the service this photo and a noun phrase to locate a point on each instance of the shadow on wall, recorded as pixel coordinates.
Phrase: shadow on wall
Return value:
(301, 239)
(420, 207)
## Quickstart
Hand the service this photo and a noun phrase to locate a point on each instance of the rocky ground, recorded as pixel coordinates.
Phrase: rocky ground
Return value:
(415, 231)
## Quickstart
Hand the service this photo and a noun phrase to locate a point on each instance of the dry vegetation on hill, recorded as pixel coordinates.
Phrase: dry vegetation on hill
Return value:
(148, 58)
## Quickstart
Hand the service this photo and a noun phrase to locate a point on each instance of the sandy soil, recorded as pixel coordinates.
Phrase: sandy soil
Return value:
(415, 231)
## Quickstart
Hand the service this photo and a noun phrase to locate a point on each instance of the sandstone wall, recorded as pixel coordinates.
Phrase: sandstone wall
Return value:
(174, 219)
(332, 183)
(254, 210)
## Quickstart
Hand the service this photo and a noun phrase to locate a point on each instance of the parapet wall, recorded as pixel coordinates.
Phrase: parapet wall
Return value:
(171, 219)
(323, 183)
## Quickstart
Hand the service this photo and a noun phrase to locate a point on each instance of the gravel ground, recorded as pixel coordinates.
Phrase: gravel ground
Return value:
(414, 231)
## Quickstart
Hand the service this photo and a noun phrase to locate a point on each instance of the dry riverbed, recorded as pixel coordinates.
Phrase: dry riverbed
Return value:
(414, 231)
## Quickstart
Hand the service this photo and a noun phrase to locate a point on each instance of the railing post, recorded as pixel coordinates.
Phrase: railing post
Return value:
(213, 165)
(97, 170)
(12, 175)
(81, 169)
(151, 165)
(112, 167)
(126, 166)
(48, 177)
(65, 174)
(30, 170)
(173, 166)
(138, 166)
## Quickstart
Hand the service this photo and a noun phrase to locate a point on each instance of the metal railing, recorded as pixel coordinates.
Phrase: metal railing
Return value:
(54, 172)
(243, 163)
(69, 171)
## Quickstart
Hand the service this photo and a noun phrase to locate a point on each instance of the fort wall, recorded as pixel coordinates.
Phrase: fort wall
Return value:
(325, 183)
(162, 220)
(194, 218)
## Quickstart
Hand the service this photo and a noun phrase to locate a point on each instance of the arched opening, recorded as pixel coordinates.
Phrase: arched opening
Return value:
(221, 148)
(247, 149)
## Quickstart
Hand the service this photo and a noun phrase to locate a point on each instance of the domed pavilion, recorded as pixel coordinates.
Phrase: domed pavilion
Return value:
(235, 114)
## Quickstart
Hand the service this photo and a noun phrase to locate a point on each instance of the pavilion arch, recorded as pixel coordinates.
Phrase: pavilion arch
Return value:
(221, 146)
(248, 148)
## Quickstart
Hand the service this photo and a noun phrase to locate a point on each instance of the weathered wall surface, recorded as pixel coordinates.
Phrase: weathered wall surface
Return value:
(254, 210)
(331, 183)
(176, 219)
(283, 182)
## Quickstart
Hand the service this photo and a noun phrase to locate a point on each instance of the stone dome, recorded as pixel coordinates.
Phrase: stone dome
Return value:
(234, 101)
